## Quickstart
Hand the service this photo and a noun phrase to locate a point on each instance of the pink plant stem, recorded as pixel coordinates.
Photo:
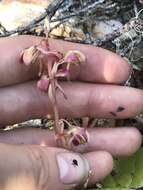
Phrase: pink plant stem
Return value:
(54, 100)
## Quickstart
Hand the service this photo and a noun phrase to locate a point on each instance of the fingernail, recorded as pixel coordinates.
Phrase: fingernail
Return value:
(73, 168)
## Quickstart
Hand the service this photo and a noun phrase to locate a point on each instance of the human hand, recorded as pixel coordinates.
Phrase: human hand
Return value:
(29, 157)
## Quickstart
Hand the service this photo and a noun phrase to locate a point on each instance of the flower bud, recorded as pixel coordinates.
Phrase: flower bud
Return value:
(43, 84)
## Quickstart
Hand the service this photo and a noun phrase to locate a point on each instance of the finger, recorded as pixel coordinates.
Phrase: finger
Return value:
(101, 164)
(102, 65)
(25, 101)
(41, 168)
(120, 141)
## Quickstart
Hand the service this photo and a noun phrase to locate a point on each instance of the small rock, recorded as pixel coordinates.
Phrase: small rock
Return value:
(62, 30)
(14, 14)
(103, 28)
(78, 34)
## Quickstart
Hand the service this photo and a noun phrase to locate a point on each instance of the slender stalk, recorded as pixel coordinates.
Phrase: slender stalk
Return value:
(54, 100)
(55, 108)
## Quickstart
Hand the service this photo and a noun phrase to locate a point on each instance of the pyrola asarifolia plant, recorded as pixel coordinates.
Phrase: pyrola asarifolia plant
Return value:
(54, 65)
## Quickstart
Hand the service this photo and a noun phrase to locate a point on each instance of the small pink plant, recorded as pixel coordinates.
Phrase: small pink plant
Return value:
(54, 65)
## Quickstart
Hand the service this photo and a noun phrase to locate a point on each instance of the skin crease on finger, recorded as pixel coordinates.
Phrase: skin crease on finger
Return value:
(102, 65)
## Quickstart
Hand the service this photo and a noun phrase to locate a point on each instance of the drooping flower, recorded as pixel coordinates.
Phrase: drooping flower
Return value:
(29, 55)
(75, 57)
(78, 135)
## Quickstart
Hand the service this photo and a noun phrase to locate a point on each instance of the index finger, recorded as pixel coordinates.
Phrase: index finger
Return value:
(102, 65)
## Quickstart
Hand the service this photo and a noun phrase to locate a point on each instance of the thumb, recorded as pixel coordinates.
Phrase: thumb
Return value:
(42, 168)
